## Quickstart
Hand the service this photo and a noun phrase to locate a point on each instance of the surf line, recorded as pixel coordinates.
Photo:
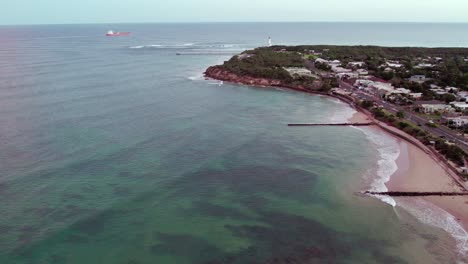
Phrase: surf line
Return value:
(412, 194)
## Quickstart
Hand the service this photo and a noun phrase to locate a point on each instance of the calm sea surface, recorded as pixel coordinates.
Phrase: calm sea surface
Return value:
(115, 150)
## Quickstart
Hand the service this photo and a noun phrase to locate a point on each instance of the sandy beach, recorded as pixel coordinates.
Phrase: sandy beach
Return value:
(359, 117)
(418, 171)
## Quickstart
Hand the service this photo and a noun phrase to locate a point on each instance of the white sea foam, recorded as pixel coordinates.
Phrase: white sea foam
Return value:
(136, 47)
(424, 211)
(341, 114)
(389, 151)
(432, 215)
(196, 77)
(387, 147)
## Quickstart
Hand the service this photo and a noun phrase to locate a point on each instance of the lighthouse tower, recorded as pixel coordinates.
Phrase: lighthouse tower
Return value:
(269, 42)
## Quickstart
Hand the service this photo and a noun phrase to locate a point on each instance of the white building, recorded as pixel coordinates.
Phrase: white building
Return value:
(463, 95)
(418, 78)
(462, 106)
(402, 91)
(459, 121)
(429, 108)
(452, 89)
(394, 64)
(299, 71)
(356, 64)
(415, 96)
(320, 60)
(424, 65)
(349, 75)
(439, 91)
(363, 72)
(338, 69)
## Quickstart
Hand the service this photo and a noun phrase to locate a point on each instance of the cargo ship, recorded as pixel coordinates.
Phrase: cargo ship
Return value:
(111, 33)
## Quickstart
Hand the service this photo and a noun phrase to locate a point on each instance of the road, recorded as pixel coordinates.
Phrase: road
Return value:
(439, 131)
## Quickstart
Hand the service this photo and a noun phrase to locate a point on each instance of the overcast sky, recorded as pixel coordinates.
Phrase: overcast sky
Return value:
(120, 11)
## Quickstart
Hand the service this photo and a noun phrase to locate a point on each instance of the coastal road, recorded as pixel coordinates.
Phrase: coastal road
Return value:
(440, 131)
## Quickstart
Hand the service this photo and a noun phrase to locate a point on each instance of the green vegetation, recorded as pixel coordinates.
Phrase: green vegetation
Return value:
(444, 67)
(450, 151)
(400, 114)
(449, 67)
(265, 63)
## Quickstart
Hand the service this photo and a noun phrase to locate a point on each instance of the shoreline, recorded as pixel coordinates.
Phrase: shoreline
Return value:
(417, 171)
(222, 75)
(418, 168)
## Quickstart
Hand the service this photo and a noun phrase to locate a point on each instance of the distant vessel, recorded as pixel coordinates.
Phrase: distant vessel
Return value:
(111, 33)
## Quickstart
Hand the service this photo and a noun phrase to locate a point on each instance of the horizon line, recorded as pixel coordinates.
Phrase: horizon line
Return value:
(236, 22)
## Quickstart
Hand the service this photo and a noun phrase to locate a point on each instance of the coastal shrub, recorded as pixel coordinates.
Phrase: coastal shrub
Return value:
(322, 66)
(400, 114)
(366, 104)
(451, 152)
(402, 125)
(264, 64)
(391, 118)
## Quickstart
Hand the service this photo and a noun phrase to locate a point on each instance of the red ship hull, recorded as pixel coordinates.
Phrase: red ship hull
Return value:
(118, 34)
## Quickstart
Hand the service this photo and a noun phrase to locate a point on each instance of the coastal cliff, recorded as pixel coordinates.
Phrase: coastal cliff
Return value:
(218, 73)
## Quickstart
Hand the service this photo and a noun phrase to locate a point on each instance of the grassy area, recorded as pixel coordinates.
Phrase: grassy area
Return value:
(310, 57)
(430, 116)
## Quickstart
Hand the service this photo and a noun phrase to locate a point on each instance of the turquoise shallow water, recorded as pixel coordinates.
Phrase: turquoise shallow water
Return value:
(116, 151)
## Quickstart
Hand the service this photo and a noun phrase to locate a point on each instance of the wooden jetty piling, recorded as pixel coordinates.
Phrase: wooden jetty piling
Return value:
(413, 194)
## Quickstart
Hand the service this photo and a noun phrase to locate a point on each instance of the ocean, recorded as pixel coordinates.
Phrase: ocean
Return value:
(116, 150)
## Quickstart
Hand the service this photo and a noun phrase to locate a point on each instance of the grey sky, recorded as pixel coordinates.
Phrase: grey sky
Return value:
(111, 11)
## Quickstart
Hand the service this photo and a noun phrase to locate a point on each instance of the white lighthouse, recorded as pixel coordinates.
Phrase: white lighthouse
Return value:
(269, 42)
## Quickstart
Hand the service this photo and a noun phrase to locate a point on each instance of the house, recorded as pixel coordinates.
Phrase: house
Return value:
(452, 89)
(462, 95)
(424, 65)
(459, 121)
(430, 107)
(415, 96)
(356, 64)
(439, 91)
(394, 64)
(362, 83)
(245, 56)
(362, 72)
(461, 106)
(320, 60)
(418, 78)
(383, 88)
(347, 75)
(338, 69)
(401, 91)
(293, 71)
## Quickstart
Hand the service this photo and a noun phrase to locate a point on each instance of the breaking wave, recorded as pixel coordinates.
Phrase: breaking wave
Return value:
(195, 46)
(430, 214)
(388, 150)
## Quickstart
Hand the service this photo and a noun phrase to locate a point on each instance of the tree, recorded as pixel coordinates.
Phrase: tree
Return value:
(400, 114)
